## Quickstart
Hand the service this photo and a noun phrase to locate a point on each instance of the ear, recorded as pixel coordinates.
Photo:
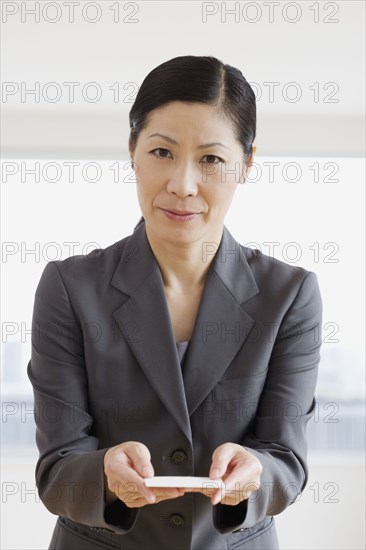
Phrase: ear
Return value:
(254, 152)
(254, 149)
(249, 163)
(131, 152)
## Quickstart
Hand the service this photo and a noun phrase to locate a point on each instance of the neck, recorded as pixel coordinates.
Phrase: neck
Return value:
(184, 267)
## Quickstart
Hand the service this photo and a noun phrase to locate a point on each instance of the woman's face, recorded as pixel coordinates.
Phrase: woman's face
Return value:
(183, 169)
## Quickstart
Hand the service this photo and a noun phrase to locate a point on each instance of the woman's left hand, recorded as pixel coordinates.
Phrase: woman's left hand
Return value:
(239, 469)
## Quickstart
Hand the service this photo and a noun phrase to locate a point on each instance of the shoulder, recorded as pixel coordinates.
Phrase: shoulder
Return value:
(265, 269)
(263, 265)
(285, 289)
(274, 276)
(84, 268)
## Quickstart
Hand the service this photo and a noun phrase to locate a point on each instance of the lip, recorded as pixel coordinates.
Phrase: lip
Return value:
(180, 215)
(179, 212)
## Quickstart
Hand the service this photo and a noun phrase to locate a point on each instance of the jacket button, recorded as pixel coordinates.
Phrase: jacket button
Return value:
(176, 520)
(179, 457)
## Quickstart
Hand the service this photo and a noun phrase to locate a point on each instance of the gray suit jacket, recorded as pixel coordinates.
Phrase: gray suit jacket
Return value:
(105, 369)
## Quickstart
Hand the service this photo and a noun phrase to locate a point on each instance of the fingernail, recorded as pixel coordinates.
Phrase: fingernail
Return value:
(215, 474)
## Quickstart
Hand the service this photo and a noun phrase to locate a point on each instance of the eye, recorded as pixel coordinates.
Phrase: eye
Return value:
(215, 157)
(159, 149)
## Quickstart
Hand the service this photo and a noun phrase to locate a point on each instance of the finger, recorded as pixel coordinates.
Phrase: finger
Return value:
(208, 490)
(246, 471)
(135, 489)
(218, 496)
(129, 486)
(220, 460)
(163, 493)
(166, 494)
(138, 500)
(124, 465)
(240, 483)
(140, 457)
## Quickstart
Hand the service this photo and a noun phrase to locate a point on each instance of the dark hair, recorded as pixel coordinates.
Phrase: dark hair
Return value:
(204, 79)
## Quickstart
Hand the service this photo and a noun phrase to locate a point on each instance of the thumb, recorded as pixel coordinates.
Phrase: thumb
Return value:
(220, 461)
(139, 456)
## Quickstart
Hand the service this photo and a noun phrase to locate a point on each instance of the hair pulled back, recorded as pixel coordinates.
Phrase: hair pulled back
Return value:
(203, 79)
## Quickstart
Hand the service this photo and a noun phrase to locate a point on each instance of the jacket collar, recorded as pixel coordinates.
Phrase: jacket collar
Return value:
(220, 329)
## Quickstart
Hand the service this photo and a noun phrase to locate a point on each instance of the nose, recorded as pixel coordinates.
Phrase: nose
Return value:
(183, 181)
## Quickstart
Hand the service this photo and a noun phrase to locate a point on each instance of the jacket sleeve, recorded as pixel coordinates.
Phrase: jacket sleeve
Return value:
(69, 471)
(286, 405)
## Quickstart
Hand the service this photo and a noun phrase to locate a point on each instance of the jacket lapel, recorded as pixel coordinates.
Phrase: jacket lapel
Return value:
(220, 329)
(221, 325)
(144, 320)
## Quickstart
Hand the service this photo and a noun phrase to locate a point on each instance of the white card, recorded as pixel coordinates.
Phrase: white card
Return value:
(183, 481)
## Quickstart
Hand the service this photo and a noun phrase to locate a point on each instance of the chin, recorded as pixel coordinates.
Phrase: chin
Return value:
(179, 235)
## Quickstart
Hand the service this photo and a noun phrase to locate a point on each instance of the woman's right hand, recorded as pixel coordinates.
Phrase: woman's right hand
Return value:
(125, 467)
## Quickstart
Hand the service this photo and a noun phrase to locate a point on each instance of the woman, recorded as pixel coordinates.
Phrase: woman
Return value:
(176, 351)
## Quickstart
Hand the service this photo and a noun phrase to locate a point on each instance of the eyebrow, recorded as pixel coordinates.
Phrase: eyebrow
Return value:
(203, 146)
